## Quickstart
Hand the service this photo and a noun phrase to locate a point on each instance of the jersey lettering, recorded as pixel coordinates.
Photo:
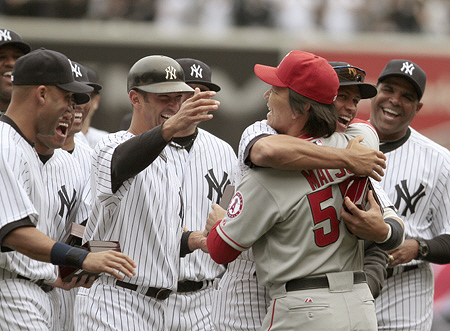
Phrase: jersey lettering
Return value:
(410, 200)
(214, 184)
(326, 222)
(66, 202)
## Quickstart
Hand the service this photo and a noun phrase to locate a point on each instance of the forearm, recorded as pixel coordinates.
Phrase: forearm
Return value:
(30, 242)
(439, 249)
(375, 262)
(291, 153)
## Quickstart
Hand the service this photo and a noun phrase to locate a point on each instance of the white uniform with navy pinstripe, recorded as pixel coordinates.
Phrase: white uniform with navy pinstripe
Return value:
(417, 180)
(241, 302)
(64, 181)
(204, 172)
(144, 216)
(23, 305)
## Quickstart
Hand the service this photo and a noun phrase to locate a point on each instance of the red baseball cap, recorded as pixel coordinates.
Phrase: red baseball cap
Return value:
(305, 73)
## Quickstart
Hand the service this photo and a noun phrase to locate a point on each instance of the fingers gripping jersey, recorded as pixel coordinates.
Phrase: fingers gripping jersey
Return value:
(241, 272)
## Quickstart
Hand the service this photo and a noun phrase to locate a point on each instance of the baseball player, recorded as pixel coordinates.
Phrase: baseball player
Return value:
(228, 313)
(138, 200)
(205, 165)
(76, 143)
(11, 48)
(284, 257)
(39, 98)
(417, 180)
(93, 135)
(64, 184)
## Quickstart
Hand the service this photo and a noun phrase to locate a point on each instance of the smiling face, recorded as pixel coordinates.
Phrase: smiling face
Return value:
(280, 115)
(8, 57)
(346, 104)
(394, 108)
(157, 108)
(59, 104)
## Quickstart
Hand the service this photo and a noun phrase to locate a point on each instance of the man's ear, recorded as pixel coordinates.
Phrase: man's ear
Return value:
(134, 97)
(41, 93)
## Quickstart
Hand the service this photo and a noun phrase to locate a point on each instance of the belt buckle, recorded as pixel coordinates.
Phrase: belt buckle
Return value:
(162, 294)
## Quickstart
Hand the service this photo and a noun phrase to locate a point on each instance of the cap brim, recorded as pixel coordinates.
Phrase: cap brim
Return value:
(366, 90)
(97, 87)
(211, 86)
(21, 45)
(269, 75)
(166, 87)
(81, 98)
(76, 87)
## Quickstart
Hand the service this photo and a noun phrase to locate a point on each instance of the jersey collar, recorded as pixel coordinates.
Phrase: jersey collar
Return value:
(389, 146)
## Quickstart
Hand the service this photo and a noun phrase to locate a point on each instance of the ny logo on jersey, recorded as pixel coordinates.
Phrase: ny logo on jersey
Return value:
(214, 184)
(5, 35)
(408, 68)
(76, 70)
(196, 71)
(410, 200)
(66, 201)
(171, 73)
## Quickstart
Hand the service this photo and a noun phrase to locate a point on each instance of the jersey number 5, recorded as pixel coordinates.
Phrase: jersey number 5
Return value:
(327, 214)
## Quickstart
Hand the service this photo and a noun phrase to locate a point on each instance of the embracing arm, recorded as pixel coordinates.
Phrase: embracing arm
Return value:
(291, 153)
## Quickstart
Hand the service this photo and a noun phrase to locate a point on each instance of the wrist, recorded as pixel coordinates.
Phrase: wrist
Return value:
(388, 235)
(423, 249)
(66, 255)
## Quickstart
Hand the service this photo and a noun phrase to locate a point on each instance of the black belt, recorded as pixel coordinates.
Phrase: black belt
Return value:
(156, 293)
(44, 287)
(406, 268)
(191, 286)
(319, 282)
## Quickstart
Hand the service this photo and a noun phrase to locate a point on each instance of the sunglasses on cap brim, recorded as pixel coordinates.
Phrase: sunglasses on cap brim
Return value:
(350, 74)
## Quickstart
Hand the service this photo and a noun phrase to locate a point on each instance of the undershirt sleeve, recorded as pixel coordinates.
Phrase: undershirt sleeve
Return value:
(8, 228)
(135, 154)
(219, 250)
(439, 249)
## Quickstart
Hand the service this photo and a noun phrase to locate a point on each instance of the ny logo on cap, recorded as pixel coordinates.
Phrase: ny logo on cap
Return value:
(196, 71)
(76, 70)
(171, 73)
(5, 35)
(408, 68)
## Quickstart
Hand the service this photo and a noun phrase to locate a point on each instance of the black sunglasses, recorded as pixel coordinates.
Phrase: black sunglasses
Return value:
(350, 74)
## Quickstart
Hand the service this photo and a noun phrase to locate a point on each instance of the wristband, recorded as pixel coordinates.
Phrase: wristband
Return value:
(387, 237)
(66, 255)
(397, 236)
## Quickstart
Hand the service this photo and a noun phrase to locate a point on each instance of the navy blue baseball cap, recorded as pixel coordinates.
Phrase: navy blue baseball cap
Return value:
(11, 38)
(86, 75)
(197, 72)
(47, 67)
(353, 76)
(407, 70)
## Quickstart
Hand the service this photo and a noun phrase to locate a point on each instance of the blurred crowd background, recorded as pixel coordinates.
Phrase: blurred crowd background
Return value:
(333, 16)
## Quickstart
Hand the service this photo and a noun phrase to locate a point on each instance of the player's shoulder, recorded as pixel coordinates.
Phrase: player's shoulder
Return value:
(426, 143)
(113, 139)
(259, 127)
(209, 138)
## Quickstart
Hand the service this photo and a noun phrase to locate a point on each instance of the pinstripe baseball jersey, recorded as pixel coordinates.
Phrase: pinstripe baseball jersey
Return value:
(144, 215)
(204, 172)
(65, 182)
(22, 195)
(83, 153)
(417, 180)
